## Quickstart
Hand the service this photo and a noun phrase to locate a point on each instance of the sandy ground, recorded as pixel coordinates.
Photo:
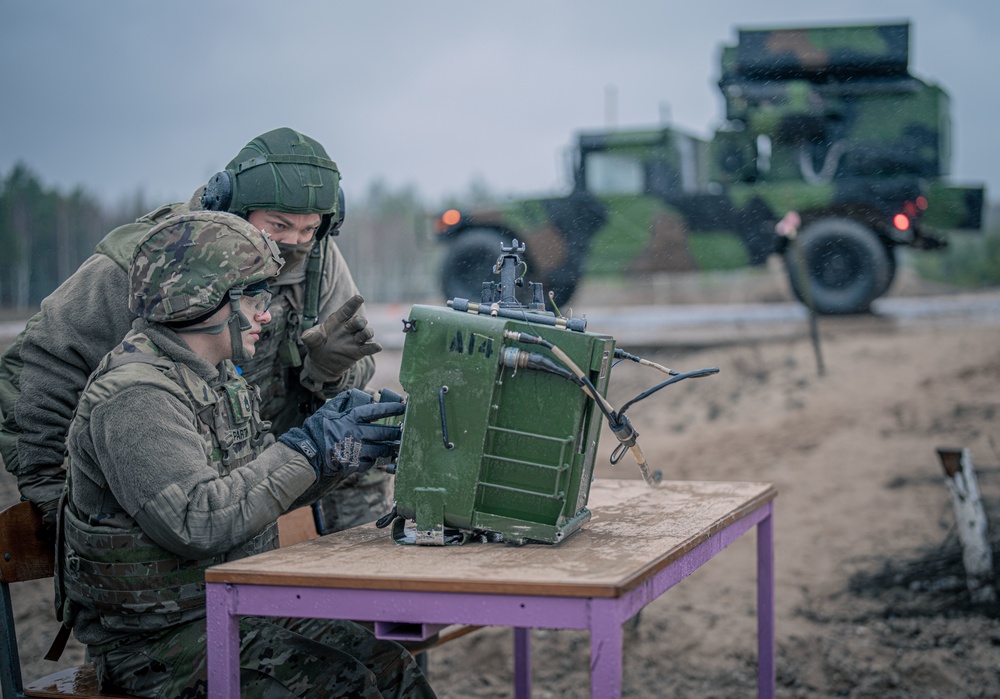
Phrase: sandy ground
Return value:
(870, 596)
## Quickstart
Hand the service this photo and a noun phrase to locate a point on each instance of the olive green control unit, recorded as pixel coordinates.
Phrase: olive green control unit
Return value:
(488, 445)
(504, 411)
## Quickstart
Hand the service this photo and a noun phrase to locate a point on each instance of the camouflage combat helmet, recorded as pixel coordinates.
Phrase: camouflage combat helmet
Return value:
(281, 170)
(183, 268)
(187, 267)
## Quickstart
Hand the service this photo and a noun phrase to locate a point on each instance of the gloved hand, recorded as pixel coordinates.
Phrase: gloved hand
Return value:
(338, 342)
(340, 442)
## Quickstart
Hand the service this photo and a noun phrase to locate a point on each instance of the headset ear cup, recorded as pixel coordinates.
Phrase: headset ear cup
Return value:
(331, 223)
(338, 219)
(218, 194)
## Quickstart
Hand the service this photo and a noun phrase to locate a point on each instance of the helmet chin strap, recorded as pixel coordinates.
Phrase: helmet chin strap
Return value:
(237, 328)
(237, 323)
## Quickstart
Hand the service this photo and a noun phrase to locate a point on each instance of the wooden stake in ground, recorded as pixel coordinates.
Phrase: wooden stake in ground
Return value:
(970, 518)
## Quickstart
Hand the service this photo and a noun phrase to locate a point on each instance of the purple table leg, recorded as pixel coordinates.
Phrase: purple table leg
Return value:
(766, 668)
(606, 638)
(522, 663)
(224, 642)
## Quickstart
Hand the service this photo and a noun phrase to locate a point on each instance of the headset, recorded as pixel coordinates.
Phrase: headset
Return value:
(218, 192)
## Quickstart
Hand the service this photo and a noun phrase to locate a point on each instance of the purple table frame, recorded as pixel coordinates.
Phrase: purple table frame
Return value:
(603, 617)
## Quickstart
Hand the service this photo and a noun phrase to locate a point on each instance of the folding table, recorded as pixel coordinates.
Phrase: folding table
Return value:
(640, 542)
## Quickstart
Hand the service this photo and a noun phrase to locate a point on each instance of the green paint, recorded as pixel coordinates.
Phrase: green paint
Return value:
(524, 441)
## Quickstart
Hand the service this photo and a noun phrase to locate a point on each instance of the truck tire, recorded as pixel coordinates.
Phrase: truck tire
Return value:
(469, 262)
(890, 252)
(848, 266)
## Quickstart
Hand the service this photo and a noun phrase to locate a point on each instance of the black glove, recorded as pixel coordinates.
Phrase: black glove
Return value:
(340, 440)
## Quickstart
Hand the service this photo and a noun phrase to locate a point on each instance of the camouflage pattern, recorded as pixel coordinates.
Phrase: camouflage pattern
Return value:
(278, 352)
(827, 122)
(821, 52)
(279, 657)
(274, 370)
(89, 315)
(133, 583)
(186, 265)
(110, 566)
(359, 499)
(810, 90)
(283, 170)
(150, 602)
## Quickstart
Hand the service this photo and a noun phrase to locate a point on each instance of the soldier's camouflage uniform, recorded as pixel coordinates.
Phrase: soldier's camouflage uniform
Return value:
(168, 474)
(43, 372)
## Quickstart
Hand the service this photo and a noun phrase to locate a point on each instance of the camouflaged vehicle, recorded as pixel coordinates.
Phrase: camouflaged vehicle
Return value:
(826, 122)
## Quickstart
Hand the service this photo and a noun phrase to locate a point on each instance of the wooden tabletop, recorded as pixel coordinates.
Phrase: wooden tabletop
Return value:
(635, 531)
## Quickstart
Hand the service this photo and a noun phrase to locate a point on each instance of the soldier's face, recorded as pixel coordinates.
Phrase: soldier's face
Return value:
(257, 319)
(294, 229)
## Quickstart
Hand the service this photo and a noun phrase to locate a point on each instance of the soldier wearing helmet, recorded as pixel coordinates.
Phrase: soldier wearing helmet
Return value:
(168, 458)
(317, 344)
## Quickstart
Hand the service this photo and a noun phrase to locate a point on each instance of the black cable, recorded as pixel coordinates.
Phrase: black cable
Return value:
(612, 417)
(532, 360)
(697, 373)
(528, 339)
(622, 355)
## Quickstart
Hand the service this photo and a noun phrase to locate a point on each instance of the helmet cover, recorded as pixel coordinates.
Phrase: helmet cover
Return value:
(283, 170)
(185, 266)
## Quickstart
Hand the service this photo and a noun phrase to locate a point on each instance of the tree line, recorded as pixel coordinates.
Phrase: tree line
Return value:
(46, 234)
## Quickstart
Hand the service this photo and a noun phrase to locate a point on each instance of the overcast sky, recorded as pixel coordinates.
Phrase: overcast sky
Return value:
(118, 95)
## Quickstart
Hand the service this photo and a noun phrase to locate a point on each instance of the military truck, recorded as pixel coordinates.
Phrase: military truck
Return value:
(826, 122)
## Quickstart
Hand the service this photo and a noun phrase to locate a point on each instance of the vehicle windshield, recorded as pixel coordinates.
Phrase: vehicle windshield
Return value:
(613, 173)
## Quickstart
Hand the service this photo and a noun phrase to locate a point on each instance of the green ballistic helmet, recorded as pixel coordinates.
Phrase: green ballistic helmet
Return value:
(281, 170)
(187, 266)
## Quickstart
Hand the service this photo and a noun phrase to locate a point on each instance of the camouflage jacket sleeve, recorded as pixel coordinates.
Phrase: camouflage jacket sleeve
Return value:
(161, 476)
(338, 286)
(77, 325)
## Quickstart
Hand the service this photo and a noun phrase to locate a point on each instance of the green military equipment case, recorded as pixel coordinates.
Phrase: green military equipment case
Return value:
(498, 439)
(489, 448)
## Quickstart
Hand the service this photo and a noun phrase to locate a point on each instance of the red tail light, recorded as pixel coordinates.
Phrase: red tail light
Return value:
(446, 220)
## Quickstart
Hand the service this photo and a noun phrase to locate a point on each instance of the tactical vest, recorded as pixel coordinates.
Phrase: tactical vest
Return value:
(121, 573)
(279, 352)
